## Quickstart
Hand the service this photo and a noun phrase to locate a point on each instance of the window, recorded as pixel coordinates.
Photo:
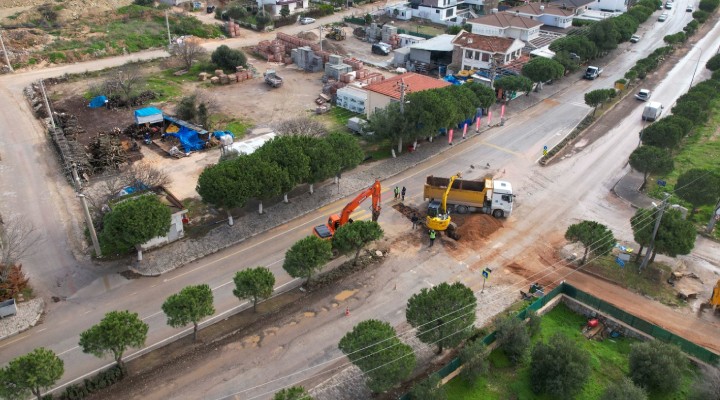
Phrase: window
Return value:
(437, 11)
(469, 54)
(485, 57)
(477, 55)
(507, 197)
(449, 12)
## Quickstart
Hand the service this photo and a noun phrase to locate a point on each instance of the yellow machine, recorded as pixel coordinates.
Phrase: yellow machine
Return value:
(438, 218)
(715, 298)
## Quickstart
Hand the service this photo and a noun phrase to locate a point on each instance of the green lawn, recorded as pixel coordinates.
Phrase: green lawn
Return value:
(608, 359)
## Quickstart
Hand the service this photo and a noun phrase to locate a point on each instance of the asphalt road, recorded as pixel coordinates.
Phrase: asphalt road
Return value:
(33, 189)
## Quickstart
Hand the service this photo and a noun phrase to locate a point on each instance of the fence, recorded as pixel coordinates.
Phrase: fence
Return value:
(356, 21)
(641, 325)
(422, 35)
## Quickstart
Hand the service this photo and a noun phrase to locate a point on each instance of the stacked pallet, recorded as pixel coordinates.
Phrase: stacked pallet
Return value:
(372, 77)
(354, 63)
(242, 74)
(348, 77)
(232, 29)
(394, 41)
(271, 50)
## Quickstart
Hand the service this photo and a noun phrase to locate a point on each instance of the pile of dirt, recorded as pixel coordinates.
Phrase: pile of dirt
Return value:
(333, 47)
(308, 35)
(478, 227)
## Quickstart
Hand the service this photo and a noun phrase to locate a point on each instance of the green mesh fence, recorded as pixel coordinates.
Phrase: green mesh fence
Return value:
(422, 35)
(356, 21)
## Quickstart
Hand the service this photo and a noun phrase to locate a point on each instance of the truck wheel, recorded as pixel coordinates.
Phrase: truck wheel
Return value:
(462, 209)
(498, 213)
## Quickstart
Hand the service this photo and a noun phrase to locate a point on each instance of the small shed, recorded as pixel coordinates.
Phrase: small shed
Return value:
(148, 115)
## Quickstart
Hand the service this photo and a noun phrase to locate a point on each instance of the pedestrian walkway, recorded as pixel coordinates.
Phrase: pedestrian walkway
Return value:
(628, 189)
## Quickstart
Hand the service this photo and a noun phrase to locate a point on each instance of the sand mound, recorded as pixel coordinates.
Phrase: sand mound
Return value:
(478, 227)
(307, 35)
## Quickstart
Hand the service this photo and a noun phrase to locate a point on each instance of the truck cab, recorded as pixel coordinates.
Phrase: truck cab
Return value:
(502, 199)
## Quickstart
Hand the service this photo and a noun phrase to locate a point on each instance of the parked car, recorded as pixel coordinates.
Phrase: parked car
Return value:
(381, 48)
(669, 5)
(306, 20)
(634, 39)
(689, 8)
(663, 17)
(643, 95)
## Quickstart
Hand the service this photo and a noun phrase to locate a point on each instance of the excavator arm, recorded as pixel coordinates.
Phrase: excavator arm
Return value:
(374, 192)
(447, 192)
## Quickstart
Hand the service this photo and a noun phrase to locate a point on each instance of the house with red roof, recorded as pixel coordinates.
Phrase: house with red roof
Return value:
(382, 93)
(473, 51)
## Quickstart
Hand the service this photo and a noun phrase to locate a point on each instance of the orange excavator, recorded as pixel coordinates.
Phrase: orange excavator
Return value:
(335, 221)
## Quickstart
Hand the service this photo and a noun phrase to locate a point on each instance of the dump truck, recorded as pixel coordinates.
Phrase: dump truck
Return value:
(488, 196)
(272, 78)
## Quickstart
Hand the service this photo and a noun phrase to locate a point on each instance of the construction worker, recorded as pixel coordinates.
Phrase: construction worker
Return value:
(402, 194)
(414, 220)
(432, 237)
(397, 192)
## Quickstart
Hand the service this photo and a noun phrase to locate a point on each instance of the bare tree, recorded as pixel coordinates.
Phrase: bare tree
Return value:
(17, 238)
(301, 126)
(125, 83)
(188, 52)
(148, 175)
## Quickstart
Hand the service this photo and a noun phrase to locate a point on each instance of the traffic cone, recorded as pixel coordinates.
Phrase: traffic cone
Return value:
(347, 311)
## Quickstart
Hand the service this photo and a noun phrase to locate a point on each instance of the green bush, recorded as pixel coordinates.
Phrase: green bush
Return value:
(624, 390)
(473, 357)
(89, 386)
(709, 5)
(144, 3)
(581, 22)
(227, 58)
(701, 16)
(559, 368)
(513, 339)
(56, 56)
(656, 365)
(631, 75)
(691, 27)
(713, 63)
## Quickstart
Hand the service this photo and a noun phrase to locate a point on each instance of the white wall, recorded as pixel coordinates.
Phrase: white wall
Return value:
(353, 99)
(175, 232)
(616, 5)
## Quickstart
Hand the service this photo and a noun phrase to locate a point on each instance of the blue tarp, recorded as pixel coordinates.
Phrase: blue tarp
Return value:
(219, 134)
(149, 115)
(98, 102)
(453, 80)
(188, 139)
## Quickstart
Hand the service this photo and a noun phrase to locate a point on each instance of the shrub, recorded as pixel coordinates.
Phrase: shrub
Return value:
(691, 27)
(227, 58)
(624, 390)
(707, 384)
(144, 3)
(631, 75)
(513, 339)
(473, 357)
(701, 16)
(428, 389)
(656, 365)
(559, 368)
(713, 63)
(533, 323)
(709, 5)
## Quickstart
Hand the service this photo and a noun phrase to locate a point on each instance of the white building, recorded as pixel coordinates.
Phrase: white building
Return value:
(273, 7)
(473, 52)
(552, 16)
(438, 11)
(352, 98)
(620, 6)
(400, 11)
(506, 24)
(409, 40)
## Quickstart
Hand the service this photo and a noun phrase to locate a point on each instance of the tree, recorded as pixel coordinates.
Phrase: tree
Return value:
(579, 45)
(512, 338)
(513, 84)
(707, 384)
(347, 148)
(661, 134)
(651, 160)
(301, 126)
(596, 97)
(373, 346)
(255, 284)
(485, 95)
(18, 237)
(675, 236)
(188, 52)
(692, 111)
(355, 236)
(228, 59)
(192, 304)
(34, 372)
(443, 315)
(288, 154)
(559, 368)
(390, 124)
(533, 322)
(642, 224)
(428, 389)
(596, 238)
(698, 187)
(713, 64)
(604, 34)
(626, 26)
(473, 358)
(624, 390)
(285, 11)
(265, 178)
(307, 256)
(185, 108)
(292, 393)
(657, 366)
(368, 19)
(541, 69)
(124, 85)
(117, 331)
(224, 185)
(133, 222)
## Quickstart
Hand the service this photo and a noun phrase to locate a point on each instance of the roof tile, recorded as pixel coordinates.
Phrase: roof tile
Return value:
(415, 83)
(491, 44)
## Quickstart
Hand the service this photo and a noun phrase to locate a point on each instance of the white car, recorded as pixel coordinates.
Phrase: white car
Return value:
(306, 20)
(643, 95)
(634, 39)
(663, 17)
(689, 8)
(669, 5)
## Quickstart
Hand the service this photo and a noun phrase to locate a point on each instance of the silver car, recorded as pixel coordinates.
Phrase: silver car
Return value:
(306, 20)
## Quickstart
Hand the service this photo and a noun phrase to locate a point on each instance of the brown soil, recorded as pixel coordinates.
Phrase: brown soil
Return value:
(94, 120)
(476, 226)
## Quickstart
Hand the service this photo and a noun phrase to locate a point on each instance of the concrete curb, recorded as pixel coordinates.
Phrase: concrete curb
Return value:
(33, 319)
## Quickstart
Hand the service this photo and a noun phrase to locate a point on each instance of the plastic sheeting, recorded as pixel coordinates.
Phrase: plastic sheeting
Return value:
(189, 139)
(219, 134)
(150, 115)
(98, 102)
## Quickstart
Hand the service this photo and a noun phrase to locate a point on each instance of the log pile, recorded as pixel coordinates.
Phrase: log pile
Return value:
(105, 150)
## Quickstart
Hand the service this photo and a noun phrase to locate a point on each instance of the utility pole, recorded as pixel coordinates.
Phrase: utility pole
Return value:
(7, 59)
(402, 87)
(655, 229)
(86, 211)
(320, 28)
(167, 24)
(47, 104)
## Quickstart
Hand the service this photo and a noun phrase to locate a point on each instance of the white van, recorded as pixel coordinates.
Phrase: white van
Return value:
(652, 111)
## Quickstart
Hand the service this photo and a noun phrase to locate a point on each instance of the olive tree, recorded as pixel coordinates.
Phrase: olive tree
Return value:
(594, 236)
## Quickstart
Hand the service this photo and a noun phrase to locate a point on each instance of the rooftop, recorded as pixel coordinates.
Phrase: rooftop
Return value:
(438, 43)
(540, 9)
(415, 83)
(490, 44)
(506, 20)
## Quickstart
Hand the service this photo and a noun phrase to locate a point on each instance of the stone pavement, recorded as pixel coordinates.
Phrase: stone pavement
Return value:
(628, 189)
(28, 314)
(182, 252)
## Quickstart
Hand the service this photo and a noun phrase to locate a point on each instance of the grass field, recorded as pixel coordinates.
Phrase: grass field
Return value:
(608, 360)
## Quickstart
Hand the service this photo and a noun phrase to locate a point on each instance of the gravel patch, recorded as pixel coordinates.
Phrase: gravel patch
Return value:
(28, 314)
